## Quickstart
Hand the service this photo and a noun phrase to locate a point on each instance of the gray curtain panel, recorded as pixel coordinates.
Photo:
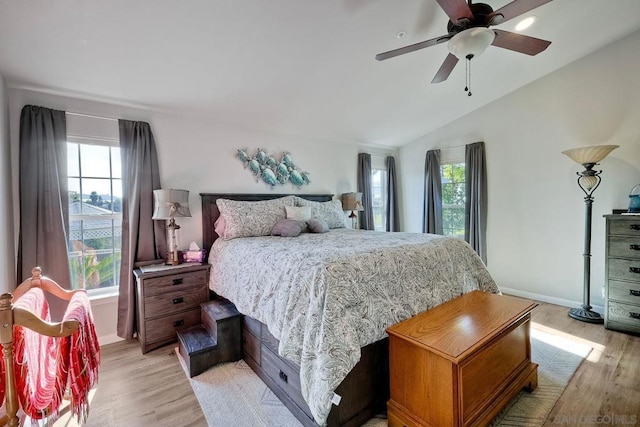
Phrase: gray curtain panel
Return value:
(44, 196)
(432, 207)
(476, 198)
(393, 217)
(364, 187)
(143, 239)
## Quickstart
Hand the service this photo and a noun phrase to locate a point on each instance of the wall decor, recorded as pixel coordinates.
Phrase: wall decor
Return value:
(273, 171)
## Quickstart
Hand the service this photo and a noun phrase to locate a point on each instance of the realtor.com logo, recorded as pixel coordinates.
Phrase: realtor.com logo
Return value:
(606, 420)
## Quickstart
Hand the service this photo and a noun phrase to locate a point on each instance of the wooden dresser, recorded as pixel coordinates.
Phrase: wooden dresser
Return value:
(169, 300)
(461, 362)
(622, 273)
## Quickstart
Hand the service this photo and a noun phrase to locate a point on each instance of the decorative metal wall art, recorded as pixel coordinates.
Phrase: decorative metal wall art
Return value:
(272, 171)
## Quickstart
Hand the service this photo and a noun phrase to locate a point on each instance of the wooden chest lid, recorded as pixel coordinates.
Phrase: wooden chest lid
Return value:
(460, 326)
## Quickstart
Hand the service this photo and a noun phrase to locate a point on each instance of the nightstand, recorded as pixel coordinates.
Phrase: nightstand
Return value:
(169, 300)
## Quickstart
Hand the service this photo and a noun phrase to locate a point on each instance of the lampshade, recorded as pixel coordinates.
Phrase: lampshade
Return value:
(588, 155)
(471, 42)
(171, 203)
(352, 202)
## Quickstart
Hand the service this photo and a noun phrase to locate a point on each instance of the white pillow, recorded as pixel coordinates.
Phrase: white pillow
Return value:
(298, 213)
(330, 212)
(252, 219)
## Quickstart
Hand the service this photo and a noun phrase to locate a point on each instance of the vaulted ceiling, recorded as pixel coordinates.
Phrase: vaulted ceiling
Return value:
(295, 66)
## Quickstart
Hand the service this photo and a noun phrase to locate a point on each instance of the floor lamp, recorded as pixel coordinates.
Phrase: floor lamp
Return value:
(588, 181)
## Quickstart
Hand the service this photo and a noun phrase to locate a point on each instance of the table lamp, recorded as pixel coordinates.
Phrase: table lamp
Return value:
(352, 202)
(170, 204)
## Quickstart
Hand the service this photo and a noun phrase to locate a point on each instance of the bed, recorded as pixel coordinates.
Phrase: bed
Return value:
(316, 306)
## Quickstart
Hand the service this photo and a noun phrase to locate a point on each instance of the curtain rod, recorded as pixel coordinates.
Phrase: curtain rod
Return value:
(92, 116)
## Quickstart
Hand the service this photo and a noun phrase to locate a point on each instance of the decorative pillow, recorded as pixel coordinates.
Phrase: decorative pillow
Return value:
(252, 219)
(316, 225)
(219, 226)
(299, 213)
(287, 228)
(330, 212)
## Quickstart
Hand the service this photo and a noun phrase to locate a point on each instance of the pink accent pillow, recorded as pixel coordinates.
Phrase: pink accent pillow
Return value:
(219, 226)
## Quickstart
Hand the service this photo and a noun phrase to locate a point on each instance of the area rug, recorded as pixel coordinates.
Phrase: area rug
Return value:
(231, 394)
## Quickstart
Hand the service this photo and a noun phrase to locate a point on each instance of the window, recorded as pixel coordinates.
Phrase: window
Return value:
(379, 198)
(95, 215)
(453, 199)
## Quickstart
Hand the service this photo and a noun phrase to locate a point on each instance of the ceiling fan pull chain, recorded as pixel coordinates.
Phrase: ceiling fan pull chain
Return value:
(467, 88)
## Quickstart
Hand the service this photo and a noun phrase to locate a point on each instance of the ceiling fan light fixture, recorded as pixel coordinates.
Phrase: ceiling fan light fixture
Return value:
(471, 42)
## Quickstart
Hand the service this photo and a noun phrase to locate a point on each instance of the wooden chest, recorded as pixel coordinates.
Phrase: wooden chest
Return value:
(169, 300)
(622, 277)
(460, 363)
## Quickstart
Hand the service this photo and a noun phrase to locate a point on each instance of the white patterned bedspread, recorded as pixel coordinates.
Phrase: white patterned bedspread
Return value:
(326, 295)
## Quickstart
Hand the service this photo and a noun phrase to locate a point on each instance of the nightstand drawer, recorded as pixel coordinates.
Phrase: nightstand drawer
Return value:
(625, 227)
(624, 269)
(624, 247)
(627, 292)
(165, 328)
(176, 281)
(626, 315)
(171, 302)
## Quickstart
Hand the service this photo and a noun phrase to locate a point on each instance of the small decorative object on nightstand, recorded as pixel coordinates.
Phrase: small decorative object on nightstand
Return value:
(169, 300)
(622, 273)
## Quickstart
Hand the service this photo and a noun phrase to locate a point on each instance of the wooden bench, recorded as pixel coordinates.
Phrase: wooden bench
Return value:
(460, 363)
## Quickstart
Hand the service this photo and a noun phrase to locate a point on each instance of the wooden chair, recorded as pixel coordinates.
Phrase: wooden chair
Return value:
(10, 316)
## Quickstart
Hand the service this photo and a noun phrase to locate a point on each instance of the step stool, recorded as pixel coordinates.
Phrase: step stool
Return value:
(216, 340)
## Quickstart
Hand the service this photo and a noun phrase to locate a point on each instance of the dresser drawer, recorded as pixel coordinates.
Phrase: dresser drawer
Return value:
(625, 227)
(624, 316)
(285, 375)
(165, 328)
(624, 247)
(177, 281)
(624, 269)
(627, 292)
(172, 302)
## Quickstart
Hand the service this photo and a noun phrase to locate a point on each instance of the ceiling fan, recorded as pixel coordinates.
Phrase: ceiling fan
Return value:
(469, 34)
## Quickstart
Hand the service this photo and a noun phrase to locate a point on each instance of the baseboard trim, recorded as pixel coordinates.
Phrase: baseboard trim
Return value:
(548, 299)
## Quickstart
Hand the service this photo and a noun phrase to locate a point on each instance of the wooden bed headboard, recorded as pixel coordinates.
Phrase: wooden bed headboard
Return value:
(210, 210)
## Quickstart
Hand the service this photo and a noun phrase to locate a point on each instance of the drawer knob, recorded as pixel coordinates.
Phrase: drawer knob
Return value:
(634, 247)
(244, 339)
(634, 315)
(178, 300)
(634, 292)
(178, 281)
(283, 376)
(634, 270)
(178, 323)
(635, 226)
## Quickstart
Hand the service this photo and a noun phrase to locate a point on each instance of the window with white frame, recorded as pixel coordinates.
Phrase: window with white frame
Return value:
(453, 198)
(379, 198)
(95, 213)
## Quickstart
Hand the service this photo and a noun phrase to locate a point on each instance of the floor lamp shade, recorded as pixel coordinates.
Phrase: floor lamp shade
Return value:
(168, 205)
(588, 181)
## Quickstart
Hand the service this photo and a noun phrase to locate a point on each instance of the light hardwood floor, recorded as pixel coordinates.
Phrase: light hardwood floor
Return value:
(152, 389)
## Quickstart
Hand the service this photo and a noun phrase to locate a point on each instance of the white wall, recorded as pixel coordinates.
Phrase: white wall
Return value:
(536, 211)
(197, 155)
(7, 260)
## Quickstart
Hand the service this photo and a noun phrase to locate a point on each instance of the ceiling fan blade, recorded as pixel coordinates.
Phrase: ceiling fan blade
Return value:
(445, 69)
(456, 9)
(512, 10)
(519, 42)
(413, 47)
